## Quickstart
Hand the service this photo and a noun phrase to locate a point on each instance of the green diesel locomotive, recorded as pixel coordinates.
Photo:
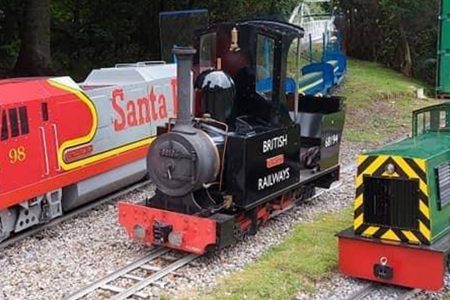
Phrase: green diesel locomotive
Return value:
(400, 233)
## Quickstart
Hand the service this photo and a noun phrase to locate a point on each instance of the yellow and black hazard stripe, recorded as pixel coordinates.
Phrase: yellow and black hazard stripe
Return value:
(407, 168)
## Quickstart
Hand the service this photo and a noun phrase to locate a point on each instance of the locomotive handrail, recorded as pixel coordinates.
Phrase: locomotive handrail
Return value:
(140, 64)
(44, 144)
(55, 133)
(151, 62)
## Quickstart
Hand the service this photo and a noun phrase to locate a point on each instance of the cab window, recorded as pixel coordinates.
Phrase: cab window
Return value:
(265, 47)
(293, 60)
(23, 117)
(436, 119)
(14, 122)
(207, 51)
(292, 79)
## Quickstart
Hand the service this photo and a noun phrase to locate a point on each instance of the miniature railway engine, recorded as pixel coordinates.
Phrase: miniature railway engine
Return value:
(245, 148)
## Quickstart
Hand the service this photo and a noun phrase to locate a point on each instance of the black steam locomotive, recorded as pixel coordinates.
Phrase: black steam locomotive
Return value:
(252, 148)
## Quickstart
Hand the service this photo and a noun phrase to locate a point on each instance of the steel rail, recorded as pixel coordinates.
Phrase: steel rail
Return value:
(155, 277)
(363, 292)
(116, 274)
(368, 288)
(143, 263)
(124, 293)
(409, 294)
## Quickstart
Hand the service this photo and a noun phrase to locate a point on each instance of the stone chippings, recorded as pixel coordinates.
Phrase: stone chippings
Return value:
(73, 254)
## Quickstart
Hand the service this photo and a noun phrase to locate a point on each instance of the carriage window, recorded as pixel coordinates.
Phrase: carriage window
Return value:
(265, 47)
(4, 133)
(14, 122)
(23, 116)
(207, 51)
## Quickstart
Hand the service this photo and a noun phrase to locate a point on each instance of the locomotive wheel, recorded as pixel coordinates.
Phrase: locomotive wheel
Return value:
(238, 233)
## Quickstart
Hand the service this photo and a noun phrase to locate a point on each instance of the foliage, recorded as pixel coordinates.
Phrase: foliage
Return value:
(87, 34)
(10, 12)
(402, 34)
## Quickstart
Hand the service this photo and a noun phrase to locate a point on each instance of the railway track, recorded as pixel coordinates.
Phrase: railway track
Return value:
(369, 289)
(125, 283)
(32, 231)
(130, 280)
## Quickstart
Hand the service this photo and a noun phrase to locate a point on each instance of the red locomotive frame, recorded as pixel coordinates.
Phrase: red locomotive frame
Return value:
(198, 235)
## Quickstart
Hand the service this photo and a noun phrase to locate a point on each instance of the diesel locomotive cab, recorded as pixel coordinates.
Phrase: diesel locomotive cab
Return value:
(236, 153)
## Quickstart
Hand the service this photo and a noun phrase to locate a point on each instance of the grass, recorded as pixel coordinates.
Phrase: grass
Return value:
(307, 255)
(379, 102)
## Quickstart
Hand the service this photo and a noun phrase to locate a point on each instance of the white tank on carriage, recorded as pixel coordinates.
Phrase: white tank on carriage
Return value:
(131, 101)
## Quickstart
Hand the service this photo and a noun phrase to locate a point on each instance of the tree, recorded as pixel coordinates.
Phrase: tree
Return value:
(398, 33)
(34, 55)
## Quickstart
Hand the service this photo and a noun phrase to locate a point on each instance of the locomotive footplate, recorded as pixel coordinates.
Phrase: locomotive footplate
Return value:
(190, 233)
(397, 263)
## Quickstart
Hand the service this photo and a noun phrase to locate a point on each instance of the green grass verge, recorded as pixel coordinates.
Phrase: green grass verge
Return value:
(379, 102)
(305, 256)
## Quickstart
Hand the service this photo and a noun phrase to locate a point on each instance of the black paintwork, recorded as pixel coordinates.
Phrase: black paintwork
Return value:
(383, 271)
(242, 66)
(225, 229)
(312, 161)
(246, 164)
(321, 118)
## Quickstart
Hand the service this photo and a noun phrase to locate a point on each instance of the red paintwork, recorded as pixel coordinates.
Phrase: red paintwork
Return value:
(70, 117)
(413, 267)
(38, 188)
(275, 161)
(198, 233)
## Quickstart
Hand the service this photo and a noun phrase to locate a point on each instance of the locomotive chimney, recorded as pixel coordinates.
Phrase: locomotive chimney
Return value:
(184, 66)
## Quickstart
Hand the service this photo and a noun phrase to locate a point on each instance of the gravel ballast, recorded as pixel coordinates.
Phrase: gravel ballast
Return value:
(69, 256)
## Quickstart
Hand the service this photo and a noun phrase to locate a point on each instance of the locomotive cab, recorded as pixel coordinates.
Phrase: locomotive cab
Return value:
(263, 61)
(254, 54)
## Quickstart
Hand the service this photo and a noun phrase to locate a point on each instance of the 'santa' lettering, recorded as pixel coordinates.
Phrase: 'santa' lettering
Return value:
(136, 112)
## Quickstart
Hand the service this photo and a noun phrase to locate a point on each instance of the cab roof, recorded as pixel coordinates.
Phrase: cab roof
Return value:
(22, 90)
